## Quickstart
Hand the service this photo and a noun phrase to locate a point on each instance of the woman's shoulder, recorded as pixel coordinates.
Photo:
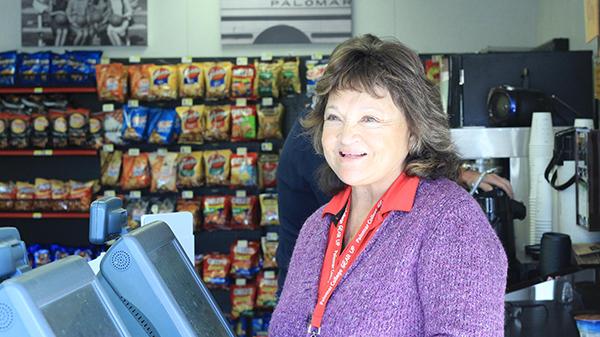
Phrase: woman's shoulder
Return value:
(442, 193)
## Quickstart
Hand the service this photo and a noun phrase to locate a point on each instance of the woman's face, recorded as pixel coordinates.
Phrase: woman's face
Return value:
(365, 139)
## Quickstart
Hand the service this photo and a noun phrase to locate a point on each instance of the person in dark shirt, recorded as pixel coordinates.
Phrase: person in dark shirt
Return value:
(300, 195)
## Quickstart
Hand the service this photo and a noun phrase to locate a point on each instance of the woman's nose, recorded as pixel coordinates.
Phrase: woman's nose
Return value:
(348, 133)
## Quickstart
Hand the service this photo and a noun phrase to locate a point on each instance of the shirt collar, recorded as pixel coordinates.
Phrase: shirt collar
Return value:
(400, 196)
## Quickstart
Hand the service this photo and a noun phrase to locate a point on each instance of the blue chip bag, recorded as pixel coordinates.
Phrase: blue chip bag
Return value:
(33, 69)
(41, 257)
(82, 66)
(8, 68)
(59, 69)
(85, 253)
(135, 120)
(163, 126)
(58, 252)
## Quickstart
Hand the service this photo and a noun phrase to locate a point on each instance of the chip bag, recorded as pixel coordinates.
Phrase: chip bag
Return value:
(242, 300)
(243, 123)
(163, 126)
(19, 130)
(243, 82)
(215, 269)
(8, 194)
(243, 212)
(267, 170)
(269, 248)
(289, 78)
(267, 290)
(163, 81)
(60, 193)
(24, 197)
(244, 258)
(191, 80)
(59, 125)
(192, 124)
(8, 68)
(110, 167)
(216, 211)
(269, 209)
(4, 130)
(139, 82)
(193, 206)
(40, 135)
(216, 164)
(164, 168)
(80, 195)
(314, 71)
(268, 73)
(43, 195)
(135, 121)
(111, 81)
(190, 170)
(78, 126)
(136, 172)
(33, 68)
(269, 122)
(95, 137)
(218, 79)
(218, 122)
(243, 170)
(113, 127)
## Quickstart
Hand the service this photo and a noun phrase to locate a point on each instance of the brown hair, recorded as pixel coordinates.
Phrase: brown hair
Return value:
(368, 64)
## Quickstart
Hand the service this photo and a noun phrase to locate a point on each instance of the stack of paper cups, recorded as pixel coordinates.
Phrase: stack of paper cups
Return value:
(541, 146)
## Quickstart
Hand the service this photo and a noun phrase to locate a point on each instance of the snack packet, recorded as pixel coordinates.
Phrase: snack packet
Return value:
(267, 170)
(243, 170)
(80, 196)
(113, 127)
(163, 81)
(215, 269)
(242, 300)
(191, 80)
(19, 130)
(43, 195)
(110, 167)
(8, 68)
(111, 81)
(218, 79)
(289, 78)
(95, 137)
(78, 126)
(59, 124)
(193, 206)
(40, 135)
(268, 73)
(24, 197)
(192, 124)
(243, 123)
(314, 71)
(269, 122)
(216, 211)
(269, 209)
(139, 82)
(267, 290)
(60, 193)
(243, 81)
(218, 122)
(190, 170)
(163, 172)
(4, 130)
(243, 212)
(216, 163)
(8, 194)
(136, 172)
(244, 258)
(134, 126)
(163, 126)
(269, 244)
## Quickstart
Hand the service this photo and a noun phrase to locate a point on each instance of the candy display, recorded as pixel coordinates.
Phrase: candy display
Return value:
(269, 122)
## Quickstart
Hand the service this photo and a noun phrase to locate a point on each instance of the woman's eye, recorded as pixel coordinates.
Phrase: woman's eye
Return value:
(369, 119)
(331, 118)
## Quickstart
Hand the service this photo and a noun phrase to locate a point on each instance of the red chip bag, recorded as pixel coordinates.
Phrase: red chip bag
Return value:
(215, 269)
(243, 81)
(193, 206)
(267, 290)
(244, 258)
(242, 300)
(80, 196)
(243, 212)
(136, 172)
(267, 170)
(216, 211)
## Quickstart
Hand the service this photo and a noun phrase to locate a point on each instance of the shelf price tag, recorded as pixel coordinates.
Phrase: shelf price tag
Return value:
(134, 59)
(186, 59)
(108, 148)
(134, 152)
(38, 90)
(240, 282)
(266, 56)
(185, 149)
(267, 101)
(105, 60)
(266, 146)
(241, 151)
(242, 243)
(110, 193)
(269, 275)
(316, 56)
(135, 194)
(187, 194)
(162, 151)
(108, 107)
(36, 215)
(241, 102)
(134, 103)
(272, 236)
(240, 193)
(42, 152)
(187, 102)
(241, 61)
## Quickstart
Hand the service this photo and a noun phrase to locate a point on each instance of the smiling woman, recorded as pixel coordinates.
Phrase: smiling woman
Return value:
(401, 249)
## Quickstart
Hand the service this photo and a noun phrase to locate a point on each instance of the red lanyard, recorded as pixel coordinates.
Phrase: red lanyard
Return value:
(333, 270)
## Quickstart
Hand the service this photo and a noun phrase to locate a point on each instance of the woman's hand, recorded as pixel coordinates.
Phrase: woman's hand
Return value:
(490, 181)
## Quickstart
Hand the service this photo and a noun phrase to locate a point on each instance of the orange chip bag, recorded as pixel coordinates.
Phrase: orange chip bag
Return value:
(190, 170)
(192, 124)
(111, 81)
(192, 206)
(215, 269)
(218, 122)
(269, 122)
(191, 80)
(43, 194)
(164, 168)
(269, 245)
(163, 81)
(80, 196)
(139, 82)
(218, 79)
(243, 81)
(217, 168)
(25, 196)
(136, 172)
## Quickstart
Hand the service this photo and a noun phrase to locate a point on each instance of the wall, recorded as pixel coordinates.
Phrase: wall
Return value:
(191, 27)
(563, 18)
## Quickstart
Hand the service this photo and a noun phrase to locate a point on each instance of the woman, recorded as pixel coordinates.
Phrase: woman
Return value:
(401, 249)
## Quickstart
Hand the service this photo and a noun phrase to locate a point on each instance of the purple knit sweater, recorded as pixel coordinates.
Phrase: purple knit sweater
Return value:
(438, 270)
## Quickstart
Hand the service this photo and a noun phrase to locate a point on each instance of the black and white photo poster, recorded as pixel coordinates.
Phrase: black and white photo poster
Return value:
(84, 23)
(285, 21)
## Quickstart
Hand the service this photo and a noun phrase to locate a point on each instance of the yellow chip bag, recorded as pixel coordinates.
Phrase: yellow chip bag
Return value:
(190, 170)
(289, 78)
(218, 79)
(269, 121)
(218, 122)
(163, 81)
(217, 167)
(192, 124)
(191, 80)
